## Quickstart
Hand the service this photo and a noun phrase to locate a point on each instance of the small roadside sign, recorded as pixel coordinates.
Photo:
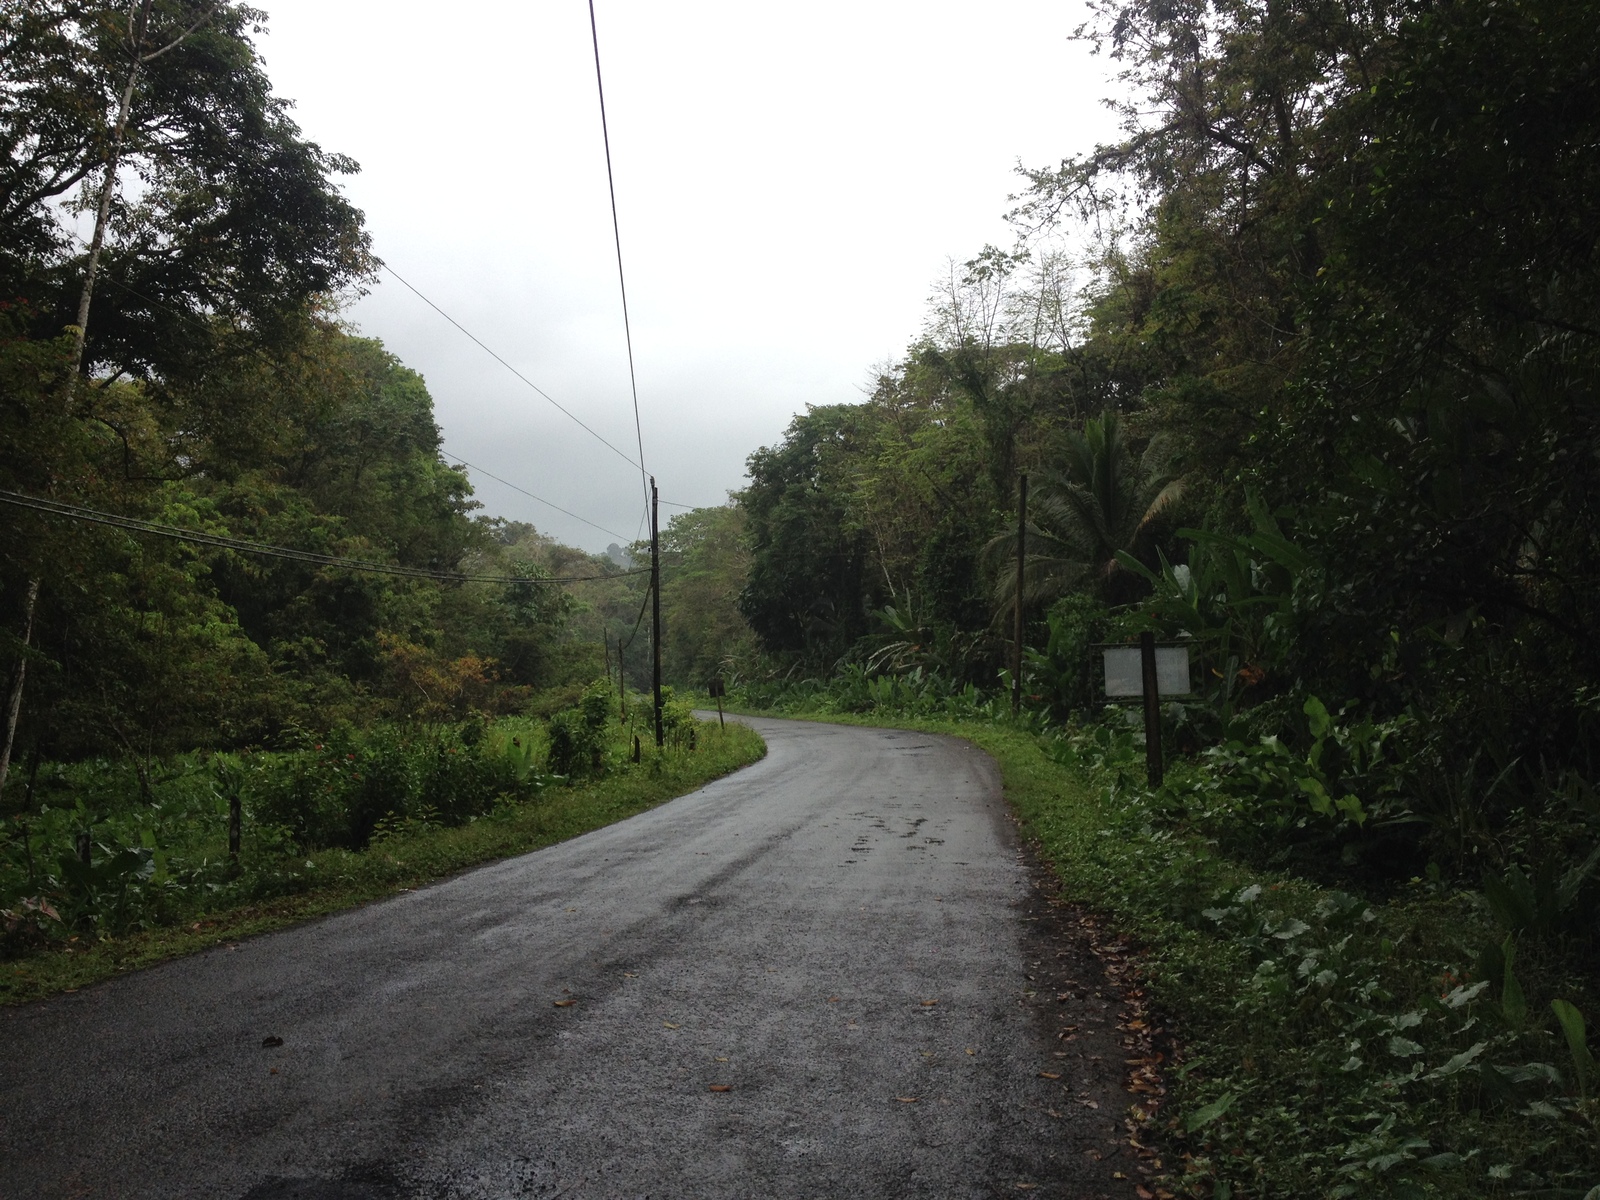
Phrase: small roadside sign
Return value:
(1124, 671)
(1149, 672)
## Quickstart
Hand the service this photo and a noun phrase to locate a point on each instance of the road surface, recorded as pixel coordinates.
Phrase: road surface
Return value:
(813, 978)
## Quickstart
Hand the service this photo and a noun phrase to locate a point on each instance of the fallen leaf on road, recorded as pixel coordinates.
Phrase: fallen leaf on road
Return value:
(1026, 1187)
(907, 1099)
(722, 1087)
(1144, 1192)
(668, 1025)
(274, 1071)
(929, 1003)
(833, 999)
(970, 1050)
(565, 1003)
(268, 1042)
(1049, 1074)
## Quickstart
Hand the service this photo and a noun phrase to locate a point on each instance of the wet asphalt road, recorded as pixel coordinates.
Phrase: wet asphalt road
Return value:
(832, 935)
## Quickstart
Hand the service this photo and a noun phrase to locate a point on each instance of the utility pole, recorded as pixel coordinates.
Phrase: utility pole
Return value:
(655, 600)
(1022, 555)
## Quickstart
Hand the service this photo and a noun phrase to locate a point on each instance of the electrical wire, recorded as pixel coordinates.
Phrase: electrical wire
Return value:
(177, 312)
(616, 232)
(480, 344)
(637, 620)
(133, 524)
(514, 487)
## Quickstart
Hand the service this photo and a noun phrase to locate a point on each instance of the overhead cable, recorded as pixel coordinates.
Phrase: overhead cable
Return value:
(637, 620)
(117, 283)
(77, 512)
(616, 233)
(514, 487)
(566, 411)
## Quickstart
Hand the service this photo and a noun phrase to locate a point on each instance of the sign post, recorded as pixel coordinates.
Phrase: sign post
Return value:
(718, 689)
(1149, 672)
(1150, 684)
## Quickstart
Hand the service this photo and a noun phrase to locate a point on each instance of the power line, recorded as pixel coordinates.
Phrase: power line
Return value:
(94, 516)
(616, 232)
(516, 488)
(636, 621)
(190, 317)
(519, 374)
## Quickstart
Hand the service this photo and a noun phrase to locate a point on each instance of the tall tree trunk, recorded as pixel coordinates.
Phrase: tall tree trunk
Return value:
(14, 703)
(80, 334)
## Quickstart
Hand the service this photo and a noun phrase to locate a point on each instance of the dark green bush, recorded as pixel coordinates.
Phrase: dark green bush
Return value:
(578, 733)
(339, 792)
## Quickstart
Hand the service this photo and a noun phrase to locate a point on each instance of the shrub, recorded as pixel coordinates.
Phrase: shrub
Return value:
(577, 733)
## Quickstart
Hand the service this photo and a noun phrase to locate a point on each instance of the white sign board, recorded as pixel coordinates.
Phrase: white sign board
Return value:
(1125, 672)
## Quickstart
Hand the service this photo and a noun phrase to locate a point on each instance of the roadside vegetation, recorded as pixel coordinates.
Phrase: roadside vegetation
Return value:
(354, 818)
(388, 684)
(1304, 376)
(1324, 1037)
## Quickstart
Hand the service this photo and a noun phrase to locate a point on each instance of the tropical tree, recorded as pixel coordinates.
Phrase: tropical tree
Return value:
(1099, 503)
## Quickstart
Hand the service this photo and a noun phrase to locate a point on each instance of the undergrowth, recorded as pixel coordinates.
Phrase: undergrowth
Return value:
(345, 821)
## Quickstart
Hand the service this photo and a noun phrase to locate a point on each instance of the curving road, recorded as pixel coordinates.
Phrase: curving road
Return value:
(835, 936)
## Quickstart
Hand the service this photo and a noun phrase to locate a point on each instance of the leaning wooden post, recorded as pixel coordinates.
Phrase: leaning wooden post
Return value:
(1022, 554)
(235, 826)
(1154, 771)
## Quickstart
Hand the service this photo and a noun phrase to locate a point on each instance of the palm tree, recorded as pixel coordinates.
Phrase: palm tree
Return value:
(1097, 503)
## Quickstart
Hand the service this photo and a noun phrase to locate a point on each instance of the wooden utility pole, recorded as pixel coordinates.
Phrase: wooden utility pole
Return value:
(1022, 555)
(655, 602)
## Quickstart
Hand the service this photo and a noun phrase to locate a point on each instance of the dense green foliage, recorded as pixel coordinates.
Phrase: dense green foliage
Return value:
(212, 387)
(218, 391)
(1322, 403)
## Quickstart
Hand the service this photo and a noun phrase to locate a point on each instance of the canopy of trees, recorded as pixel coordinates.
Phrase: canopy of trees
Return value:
(186, 364)
(1320, 392)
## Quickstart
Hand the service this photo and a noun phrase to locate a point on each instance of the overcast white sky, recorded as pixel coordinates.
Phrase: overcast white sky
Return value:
(791, 180)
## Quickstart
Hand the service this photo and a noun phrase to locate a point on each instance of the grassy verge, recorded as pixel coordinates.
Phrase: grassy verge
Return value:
(329, 880)
(1329, 1045)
